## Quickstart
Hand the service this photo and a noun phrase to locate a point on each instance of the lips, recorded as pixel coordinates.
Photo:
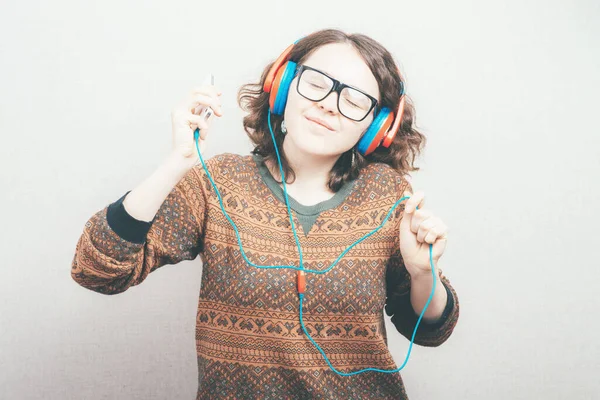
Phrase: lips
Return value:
(320, 122)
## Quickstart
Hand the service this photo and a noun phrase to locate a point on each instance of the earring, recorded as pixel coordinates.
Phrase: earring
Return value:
(352, 162)
(283, 127)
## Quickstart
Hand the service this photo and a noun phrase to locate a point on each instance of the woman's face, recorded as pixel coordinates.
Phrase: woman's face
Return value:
(342, 62)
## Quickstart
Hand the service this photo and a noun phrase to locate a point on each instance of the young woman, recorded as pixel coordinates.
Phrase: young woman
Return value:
(280, 314)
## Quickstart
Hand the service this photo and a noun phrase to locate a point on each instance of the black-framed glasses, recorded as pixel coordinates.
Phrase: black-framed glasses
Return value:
(315, 85)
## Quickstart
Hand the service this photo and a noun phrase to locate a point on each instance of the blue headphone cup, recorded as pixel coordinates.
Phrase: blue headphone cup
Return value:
(284, 87)
(365, 142)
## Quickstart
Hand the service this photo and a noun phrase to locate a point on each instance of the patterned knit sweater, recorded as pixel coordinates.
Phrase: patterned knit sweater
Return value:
(249, 339)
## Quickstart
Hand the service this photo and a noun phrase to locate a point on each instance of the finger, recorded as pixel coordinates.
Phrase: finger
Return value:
(219, 111)
(196, 121)
(438, 247)
(431, 236)
(199, 108)
(408, 194)
(209, 91)
(416, 200)
(197, 99)
(198, 102)
(203, 133)
(443, 232)
(419, 216)
(405, 221)
(424, 228)
(203, 100)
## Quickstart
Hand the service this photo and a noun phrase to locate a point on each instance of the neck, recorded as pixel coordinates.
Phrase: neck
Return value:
(311, 171)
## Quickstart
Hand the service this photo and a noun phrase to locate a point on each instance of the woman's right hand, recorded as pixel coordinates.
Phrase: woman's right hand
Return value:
(185, 118)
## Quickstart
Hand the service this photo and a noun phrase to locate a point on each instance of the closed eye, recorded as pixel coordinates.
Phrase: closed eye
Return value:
(316, 86)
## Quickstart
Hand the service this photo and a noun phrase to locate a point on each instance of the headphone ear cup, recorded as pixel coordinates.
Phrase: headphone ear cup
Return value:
(281, 87)
(376, 132)
(276, 67)
(389, 137)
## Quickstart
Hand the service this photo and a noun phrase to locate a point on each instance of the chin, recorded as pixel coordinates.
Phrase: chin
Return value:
(315, 145)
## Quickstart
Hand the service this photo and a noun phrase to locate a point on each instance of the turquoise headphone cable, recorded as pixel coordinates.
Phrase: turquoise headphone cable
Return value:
(301, 263)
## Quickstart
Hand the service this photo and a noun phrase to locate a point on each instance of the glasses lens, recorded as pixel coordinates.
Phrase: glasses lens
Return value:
(314, 85)
(354, 104)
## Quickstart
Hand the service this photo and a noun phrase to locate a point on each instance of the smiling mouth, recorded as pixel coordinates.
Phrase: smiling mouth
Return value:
(320, 124)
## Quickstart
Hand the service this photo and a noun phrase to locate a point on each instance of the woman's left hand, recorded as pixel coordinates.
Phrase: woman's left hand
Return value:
(418, 229)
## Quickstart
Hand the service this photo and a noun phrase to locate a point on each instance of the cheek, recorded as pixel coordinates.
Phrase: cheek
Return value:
(295, 107)
(355, 130)
(348, 136)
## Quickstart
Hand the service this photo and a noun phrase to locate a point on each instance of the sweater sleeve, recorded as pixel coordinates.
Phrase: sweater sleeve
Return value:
(399, 306)
(116, 251)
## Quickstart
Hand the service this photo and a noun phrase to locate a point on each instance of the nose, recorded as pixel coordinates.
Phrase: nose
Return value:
(329, 103)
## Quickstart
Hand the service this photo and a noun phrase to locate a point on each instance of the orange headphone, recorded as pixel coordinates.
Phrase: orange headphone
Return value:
(382, 130)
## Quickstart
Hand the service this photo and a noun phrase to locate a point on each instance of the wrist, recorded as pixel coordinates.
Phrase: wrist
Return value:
(179, 163)
(419, 273)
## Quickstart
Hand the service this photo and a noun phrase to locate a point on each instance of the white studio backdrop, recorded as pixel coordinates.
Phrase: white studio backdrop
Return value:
(506, 92)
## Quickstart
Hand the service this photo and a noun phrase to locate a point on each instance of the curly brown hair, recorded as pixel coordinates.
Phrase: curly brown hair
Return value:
(404, 149)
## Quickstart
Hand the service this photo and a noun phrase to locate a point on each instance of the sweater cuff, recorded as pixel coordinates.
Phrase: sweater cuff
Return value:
(124, 225)
(445, 314)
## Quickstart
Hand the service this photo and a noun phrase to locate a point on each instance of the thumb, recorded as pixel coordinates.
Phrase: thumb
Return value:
(406, 220)
(404, 229)
(438, 247)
